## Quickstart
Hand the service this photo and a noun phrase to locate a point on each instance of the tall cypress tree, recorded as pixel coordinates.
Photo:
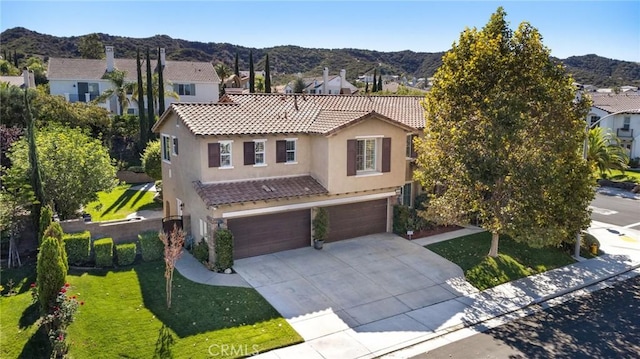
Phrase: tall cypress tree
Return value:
(236, 69)
(141, 113)
(380, 82)
(267, 76)
(160, 86)
(34, 165)
(366, 87)
(374, 87)
(252, 75)
(150, 111)
(15, 58)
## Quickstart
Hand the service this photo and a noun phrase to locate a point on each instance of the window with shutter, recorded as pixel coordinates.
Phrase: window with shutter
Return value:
(281, 151)
(386, 154)
(351, 157)
(249, 154)
(214, 154)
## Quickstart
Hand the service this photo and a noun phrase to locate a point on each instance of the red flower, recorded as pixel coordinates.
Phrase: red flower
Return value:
(33, 285)
(60, 337)
(81, 303)
(66, 284)
(63, 290)
(74, 297)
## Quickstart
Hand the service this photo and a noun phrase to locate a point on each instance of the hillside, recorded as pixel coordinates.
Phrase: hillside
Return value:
(589, 69)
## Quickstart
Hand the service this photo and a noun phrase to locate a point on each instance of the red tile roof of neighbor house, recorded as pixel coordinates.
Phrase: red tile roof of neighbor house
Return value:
(612, 102)
(90, 69)
(215, 194)
(241, 114)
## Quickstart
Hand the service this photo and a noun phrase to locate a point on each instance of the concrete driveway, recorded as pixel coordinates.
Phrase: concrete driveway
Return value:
(352, 283)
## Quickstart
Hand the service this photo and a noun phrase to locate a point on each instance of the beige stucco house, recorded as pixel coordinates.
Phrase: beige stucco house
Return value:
(260, 164)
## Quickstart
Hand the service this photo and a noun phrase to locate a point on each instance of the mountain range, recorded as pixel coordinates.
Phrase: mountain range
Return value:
(288, 60)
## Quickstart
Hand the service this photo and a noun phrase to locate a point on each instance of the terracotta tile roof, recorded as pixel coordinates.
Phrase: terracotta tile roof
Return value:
(215, 194)
(612, 102)
(238, 114)
(89, 69)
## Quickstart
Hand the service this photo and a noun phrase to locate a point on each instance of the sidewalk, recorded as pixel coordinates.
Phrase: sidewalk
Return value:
(617, 192)
(447, 317)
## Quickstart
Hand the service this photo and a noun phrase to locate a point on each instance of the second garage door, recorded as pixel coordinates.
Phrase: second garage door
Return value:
(357, 219)
(253, 236)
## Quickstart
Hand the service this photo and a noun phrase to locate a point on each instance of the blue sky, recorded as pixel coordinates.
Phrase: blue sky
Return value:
(606, 28)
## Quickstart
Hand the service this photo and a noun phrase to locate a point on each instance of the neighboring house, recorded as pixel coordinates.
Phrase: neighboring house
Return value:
(235, 84)
(85, 79)
(625, 125)
(334, 85)
(26, 80)
(260, 164)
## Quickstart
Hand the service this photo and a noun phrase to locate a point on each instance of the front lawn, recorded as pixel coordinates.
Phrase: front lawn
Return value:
(119, 203)
(628, 176)
(514, 261)
(125, 315)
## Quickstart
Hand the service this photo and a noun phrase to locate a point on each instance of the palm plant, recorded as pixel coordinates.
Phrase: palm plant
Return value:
(223, 72)
(156, 85)
(605, 152)
(119, 89)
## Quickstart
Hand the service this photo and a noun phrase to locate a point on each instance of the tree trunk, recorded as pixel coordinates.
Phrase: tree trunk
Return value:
(493, 252)
(14, 256)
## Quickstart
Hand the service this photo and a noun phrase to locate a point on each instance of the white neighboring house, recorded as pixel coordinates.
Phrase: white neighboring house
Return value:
(334, 85)
(625, 125)
(82, 80)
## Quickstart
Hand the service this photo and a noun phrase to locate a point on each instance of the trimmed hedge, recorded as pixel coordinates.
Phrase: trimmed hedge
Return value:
(125, 253)
(201, 251)
(78, 246)
(151, 246)
(104, 252)
(224, 249)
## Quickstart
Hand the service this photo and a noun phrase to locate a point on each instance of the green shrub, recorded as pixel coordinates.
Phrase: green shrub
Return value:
(136, 169)
(55, 230)
(401, 219)
(125, 253)
(104, 252)
(151, 160)
(51, 273)
(78, 246)
(151, 246)
(224, 249)
(201, 251)
(46, 215)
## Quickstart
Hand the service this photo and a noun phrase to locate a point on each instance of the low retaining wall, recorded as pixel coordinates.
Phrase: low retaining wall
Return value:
(133, 177)
(119, 230)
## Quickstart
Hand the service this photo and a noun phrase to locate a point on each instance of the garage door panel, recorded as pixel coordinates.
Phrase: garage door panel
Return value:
(270, 233)
(357, 219)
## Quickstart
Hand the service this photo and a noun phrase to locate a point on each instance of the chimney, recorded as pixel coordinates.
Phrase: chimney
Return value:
(343, 75)
(110, 61)
(325, 79)
(163, 58)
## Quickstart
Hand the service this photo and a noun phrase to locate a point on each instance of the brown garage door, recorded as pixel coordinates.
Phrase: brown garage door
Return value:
(253, 236)
(357, 219)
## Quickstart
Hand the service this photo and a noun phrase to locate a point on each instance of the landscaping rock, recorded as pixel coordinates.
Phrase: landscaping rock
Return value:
(228, 271)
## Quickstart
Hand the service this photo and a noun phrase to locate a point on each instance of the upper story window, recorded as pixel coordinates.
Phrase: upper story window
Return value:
(225, 153)
(174, 148)
(286, 151)
(259, 152)
(166, 148)
(410, 150)
(593, 119)
(185, 89)
(627, 123)
(368, 155)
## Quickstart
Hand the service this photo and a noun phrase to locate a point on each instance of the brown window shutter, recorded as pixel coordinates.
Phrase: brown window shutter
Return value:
(351, 157)
(414, 153)
(214, 154)
(281, 151)
(386, 154)
(249, 153)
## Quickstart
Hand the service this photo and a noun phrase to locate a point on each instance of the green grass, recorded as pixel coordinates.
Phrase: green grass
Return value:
(119, 203)
(125, 315)
(628, 176)
(514, 261)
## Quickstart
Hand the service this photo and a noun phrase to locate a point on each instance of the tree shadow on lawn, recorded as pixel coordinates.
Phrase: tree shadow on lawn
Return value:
(199, 308)
(29, 316)
(38, 346)
(122, 201)
(164, 343)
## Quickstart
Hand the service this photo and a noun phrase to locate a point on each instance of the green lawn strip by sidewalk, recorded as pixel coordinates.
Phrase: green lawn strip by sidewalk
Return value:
(125, 315)
(515, 260)
(628, 176)
(119, 203)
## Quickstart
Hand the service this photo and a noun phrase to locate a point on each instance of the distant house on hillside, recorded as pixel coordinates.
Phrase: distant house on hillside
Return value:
(625, 124)
(26, 80)
(334, 85)
(83, 80)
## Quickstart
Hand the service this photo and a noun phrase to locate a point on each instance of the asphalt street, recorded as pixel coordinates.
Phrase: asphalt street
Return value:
(603, 324)
(620, 211)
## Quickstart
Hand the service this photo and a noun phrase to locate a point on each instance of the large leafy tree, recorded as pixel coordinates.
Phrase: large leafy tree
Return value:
(605, 152)
(91, 47)
(119, 89)
(503, 139)
(74, 167)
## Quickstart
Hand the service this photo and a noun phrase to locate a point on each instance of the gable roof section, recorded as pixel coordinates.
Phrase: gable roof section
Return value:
(611, 102)
(215, 194)
(90, 69)
(245, 114)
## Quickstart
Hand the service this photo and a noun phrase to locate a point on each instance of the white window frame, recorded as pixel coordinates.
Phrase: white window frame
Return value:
(174, 140)
(203, 229)
(410, 184)
(374, 161)
(626, 123)
(230, 154)
(178, 206)
(263, 153)
(287, 151)
(166, 148)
